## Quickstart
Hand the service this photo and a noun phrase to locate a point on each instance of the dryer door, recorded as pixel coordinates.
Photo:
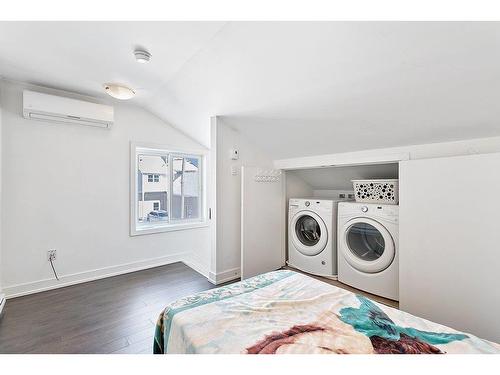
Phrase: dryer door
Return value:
(309, 233)
(367, 245)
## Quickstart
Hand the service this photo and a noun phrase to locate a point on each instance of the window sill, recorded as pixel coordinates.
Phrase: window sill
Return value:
(168, 228)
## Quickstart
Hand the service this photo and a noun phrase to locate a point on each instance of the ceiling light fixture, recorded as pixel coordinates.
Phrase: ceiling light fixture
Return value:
(119, 91)
(142, 56)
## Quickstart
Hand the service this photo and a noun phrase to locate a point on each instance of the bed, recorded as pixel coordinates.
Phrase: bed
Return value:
(288, 312)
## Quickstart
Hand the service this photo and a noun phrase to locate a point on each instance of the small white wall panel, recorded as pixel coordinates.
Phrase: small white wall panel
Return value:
(262, 221)
(450, 242)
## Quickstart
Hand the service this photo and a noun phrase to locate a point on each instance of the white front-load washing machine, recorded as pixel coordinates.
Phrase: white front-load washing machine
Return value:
(312, 230)
(368, 242)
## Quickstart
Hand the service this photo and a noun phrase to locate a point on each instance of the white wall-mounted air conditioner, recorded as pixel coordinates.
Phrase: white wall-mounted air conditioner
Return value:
(45, 107)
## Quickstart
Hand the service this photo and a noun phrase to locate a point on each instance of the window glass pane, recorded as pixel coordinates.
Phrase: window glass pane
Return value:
(152, 196)
(185, 187)
(192, 199)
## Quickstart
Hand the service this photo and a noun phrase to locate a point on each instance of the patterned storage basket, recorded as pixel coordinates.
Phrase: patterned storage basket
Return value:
(376, 191)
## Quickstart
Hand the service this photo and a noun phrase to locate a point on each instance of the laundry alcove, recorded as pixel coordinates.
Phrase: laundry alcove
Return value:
(328, 182)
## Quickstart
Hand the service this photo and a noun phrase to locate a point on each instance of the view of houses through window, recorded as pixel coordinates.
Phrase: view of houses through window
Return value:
(152, 188)
(186, 188)
(168, 188)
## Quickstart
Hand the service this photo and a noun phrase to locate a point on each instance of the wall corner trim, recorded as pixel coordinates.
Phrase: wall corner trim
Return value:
(197, 266)
(224, 276)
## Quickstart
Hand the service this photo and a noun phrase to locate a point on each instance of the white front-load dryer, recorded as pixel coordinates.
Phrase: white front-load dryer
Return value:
(368, 254)
(312, 233)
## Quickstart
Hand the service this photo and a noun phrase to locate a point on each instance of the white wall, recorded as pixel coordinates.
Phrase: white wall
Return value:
(331, 193)
(1, 171)
(448, 258)
(297, 187)
(228, 196)
(86, 171)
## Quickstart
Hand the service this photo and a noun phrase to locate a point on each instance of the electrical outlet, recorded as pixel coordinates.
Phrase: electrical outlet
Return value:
(51, 255)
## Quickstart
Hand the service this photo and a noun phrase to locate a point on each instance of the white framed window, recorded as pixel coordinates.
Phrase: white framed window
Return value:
(153, 178)
(167, 189)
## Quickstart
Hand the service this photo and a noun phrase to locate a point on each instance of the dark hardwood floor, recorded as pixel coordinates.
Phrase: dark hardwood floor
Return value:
(112, 315)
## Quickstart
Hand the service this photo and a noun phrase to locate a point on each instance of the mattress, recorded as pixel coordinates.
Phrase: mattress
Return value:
(286, 312)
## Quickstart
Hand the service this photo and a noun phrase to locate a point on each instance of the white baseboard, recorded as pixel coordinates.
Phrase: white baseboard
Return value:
(224, 276)
(81, 277)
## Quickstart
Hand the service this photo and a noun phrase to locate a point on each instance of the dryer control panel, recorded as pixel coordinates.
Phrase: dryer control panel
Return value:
(373, 210)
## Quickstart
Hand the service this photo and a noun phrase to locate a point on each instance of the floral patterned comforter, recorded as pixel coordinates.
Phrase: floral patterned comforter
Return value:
(287, 312)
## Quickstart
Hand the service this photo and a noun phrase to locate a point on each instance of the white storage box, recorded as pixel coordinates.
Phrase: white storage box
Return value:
(376, 191)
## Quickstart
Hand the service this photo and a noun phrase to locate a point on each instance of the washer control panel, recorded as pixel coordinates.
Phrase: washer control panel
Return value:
(312, 204)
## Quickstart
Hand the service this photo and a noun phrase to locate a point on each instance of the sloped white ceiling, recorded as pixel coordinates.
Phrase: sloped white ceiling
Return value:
(82, 56)
(294, 88)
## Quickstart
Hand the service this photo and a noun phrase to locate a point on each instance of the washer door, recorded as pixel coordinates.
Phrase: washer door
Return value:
(308, 232)
(367, 245)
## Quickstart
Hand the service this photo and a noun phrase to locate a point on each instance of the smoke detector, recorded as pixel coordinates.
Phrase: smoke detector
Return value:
(119, 91)
(142, 56)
